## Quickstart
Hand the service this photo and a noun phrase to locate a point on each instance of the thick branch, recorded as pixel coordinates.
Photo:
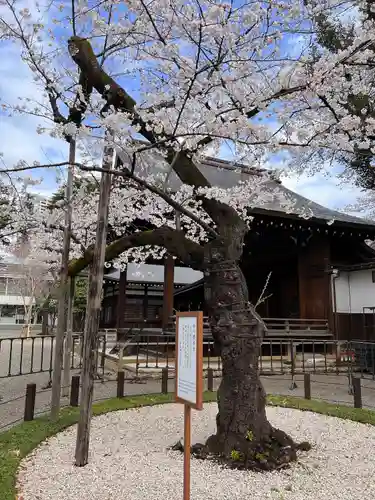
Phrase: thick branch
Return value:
(83, 55)
(175, 242)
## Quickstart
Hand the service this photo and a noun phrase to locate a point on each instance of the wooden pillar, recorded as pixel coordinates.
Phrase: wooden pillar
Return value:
(168, 290)
(121, 300)
(314, 280)
(331, 300)
(145, 303)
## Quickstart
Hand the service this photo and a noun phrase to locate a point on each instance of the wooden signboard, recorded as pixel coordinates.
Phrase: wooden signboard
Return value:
(189, 377)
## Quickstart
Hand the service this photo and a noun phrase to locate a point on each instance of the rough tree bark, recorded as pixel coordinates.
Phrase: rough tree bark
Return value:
(244, 436)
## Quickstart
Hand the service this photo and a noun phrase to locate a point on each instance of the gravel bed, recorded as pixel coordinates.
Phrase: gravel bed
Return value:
(129, 460)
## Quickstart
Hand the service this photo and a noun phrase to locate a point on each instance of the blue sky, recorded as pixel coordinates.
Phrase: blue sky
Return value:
(19, 140)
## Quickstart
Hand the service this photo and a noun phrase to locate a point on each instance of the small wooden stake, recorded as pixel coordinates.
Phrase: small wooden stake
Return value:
(164, 380)
(187, 445)
(74, 390)
(120, 383)
(210, 379)
(29, 402)
(357, 392)
(307, 384)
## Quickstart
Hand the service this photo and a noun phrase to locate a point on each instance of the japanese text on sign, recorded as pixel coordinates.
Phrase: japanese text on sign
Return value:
(187, 359)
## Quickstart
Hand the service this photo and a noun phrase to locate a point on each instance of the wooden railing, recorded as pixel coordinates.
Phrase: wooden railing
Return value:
(282, 327)
(296, 327)
(275, 327)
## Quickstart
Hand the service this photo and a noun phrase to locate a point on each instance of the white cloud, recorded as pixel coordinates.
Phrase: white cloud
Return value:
(326, 191)
(19, 137)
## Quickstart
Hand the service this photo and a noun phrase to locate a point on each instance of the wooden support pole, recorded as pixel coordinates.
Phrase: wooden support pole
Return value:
(187, 445)
(68, 338)
(307, 385)
(210, 379)
(120, 383)
(168, 290)
(74, 390)
(90, 344)
(164, 380)
(29, 402)
(63, 292)
(357, 392)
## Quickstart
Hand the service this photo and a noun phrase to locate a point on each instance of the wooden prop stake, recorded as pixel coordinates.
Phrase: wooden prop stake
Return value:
(189, 377)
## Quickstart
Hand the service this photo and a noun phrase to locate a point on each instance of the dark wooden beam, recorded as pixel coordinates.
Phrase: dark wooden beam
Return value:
(121, 301)
(168, 290)
(145, 302)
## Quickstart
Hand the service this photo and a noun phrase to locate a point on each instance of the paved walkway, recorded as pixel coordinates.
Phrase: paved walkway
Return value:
(333, 388)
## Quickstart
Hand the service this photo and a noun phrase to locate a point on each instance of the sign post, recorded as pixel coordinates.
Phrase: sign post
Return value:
(189, 377)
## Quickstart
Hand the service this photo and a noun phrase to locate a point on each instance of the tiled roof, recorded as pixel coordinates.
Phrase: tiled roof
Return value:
(226, 174)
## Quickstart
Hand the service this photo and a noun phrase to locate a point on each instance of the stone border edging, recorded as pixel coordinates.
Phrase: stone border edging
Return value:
(19, 441)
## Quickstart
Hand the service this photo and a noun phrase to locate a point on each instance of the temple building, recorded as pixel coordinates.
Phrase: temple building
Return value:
(297, 264)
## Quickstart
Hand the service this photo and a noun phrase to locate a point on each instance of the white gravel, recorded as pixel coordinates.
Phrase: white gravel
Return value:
(129, 460)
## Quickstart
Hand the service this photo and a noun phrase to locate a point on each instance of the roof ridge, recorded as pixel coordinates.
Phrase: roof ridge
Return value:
(235, 166)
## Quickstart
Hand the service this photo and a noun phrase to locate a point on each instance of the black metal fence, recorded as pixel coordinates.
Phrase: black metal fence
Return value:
(32, 402)
(30, 355)
(146, 354)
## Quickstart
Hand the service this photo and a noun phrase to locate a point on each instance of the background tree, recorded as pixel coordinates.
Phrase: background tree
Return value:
(336, 29)
(32, 281)
(80, 302)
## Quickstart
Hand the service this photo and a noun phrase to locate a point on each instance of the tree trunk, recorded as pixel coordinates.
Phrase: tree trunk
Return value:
(28, 311)
(244, 437)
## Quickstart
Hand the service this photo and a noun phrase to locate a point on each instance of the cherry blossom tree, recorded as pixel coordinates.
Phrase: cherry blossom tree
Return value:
(166, 84)
(32, 281)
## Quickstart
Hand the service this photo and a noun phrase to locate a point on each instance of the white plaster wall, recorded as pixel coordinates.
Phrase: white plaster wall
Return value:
(14, 300)
(341, 287)
(354, 290)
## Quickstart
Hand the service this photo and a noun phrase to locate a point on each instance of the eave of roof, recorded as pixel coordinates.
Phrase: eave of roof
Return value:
(357, 267)
(226, 174)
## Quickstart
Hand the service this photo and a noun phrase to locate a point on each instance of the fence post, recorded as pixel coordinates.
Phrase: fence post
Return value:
(293, 384)
(164, 380)
(29, 402)
(120, 383)
(210, 379)
(357, 392)
(307, 385)
(74, 390)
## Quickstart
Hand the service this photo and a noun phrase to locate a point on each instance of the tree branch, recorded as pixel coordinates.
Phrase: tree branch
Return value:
(83, 55)
(127, 174)
(177, 206)
(175, 242)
